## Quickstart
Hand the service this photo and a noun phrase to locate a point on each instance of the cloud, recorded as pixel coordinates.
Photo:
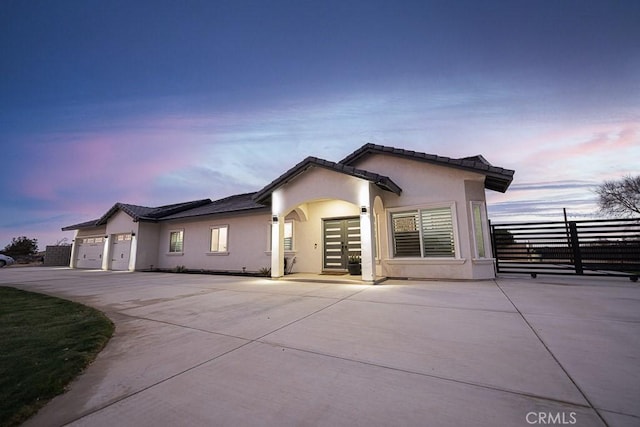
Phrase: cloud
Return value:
(591, 151)
(157, 156)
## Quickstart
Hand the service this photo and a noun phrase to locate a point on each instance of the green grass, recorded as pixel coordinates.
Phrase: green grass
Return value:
(45, 342)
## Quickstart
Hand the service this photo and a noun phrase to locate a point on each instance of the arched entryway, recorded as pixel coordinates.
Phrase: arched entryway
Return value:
(333, 199)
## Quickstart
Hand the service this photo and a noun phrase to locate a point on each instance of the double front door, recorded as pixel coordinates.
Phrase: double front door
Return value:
(341, 241)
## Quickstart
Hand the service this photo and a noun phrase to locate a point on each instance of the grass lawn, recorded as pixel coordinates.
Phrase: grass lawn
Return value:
(45, 342)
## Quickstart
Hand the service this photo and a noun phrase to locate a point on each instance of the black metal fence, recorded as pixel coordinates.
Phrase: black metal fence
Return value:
(589, 247)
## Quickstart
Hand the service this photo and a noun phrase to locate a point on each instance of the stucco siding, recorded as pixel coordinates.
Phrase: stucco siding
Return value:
(247, 244)
(426, 185)
(121, 223)
(147, 248)
(308, 234)
(420, 182)
(319, 184)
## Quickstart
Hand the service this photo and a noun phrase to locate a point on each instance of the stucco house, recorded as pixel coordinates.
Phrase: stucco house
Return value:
(402, 213)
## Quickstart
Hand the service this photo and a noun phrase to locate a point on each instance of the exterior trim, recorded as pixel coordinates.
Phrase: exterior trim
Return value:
(496, 178)
(381, 181)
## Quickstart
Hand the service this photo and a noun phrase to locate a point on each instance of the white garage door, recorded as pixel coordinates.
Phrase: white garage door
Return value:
(89, 252)
(120, 252)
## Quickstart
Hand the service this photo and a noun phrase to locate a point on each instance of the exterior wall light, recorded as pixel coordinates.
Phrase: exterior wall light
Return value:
(274, 219)
(363, 210)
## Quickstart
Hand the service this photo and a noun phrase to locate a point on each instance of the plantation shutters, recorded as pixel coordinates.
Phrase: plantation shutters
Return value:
(406, 234)
(426, 233)
(437, 233)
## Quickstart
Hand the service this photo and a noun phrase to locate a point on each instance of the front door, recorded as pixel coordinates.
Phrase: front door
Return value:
(341, 240)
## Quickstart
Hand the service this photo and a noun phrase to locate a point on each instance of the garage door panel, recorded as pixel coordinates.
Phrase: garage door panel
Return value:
(121, 252)
(89, 253)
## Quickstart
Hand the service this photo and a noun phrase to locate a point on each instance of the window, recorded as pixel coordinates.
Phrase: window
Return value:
(479, 216)
(219, 237)
(424, 233)
(376, 222)
(288, 235)
(176, 241)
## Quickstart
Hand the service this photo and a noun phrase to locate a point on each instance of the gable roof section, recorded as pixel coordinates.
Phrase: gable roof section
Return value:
(144, 213)
(231, 204)
(86, 224)
(139, 213)
(381, 181)
(497, 178)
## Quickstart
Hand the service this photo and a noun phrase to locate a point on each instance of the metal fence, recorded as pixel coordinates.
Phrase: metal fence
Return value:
(589, 247)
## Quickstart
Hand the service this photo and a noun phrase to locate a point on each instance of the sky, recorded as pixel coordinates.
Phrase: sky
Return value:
(153, 102)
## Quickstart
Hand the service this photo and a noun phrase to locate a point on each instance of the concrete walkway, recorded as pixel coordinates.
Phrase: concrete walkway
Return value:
(196, 350)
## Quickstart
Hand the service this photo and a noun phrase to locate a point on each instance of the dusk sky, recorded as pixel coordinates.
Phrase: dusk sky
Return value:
(153, 102)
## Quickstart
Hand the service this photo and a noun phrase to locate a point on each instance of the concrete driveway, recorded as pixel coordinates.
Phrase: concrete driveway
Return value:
(194, 350)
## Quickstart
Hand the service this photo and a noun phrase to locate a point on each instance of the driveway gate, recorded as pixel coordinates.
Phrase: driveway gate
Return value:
(588, 247)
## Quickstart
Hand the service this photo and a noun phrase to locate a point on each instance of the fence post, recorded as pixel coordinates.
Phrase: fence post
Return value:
(575, 247)
(494, 249)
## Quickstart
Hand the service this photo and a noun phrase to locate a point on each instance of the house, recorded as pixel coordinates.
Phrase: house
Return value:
(402, 213)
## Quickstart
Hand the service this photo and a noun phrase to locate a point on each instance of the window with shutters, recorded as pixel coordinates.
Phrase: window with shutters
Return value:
(423, 233)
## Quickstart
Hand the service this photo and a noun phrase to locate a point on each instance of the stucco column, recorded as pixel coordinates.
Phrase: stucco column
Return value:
(366, 245)
(277, 246)
(367, 255)
(106, 252)
(133, 252)
(74, 251)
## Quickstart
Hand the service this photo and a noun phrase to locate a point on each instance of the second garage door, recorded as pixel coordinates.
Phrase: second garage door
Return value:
(120, 252)
(89, 252)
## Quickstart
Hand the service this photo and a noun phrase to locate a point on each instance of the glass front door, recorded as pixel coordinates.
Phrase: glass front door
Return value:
(341, 240)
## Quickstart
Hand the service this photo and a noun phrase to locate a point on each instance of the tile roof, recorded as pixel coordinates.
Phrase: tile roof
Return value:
(236, 203)
(381, 181)
(497, 178)
(139, 213)
(86, 224)
(145, 213)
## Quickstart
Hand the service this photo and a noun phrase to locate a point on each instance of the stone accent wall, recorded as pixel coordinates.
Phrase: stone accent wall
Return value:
(57, 255)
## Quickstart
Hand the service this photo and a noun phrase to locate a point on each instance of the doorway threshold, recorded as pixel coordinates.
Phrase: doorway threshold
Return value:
(343, 278)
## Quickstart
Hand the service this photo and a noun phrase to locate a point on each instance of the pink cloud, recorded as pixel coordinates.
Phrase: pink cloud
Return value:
(117, 162)
(591, 148)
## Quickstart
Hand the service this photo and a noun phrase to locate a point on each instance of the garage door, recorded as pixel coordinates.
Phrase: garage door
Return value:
(120, 252)
(89, 252)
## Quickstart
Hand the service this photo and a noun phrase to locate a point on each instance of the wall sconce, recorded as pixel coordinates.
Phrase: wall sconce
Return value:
(106, 237)
(363, 210)
(274, 219)
(133, 234)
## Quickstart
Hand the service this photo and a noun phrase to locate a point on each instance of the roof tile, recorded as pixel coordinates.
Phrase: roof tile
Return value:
(381, 181)
(497, 178)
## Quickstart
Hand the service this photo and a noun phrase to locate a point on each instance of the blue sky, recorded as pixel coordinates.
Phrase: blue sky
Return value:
(156, 102)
